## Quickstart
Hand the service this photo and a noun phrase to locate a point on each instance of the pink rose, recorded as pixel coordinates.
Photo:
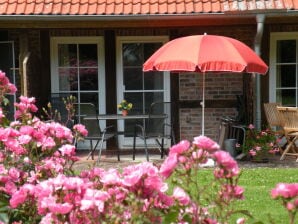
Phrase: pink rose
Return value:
(180, 147)
(168, 166)
(181, 196)
(206, 143)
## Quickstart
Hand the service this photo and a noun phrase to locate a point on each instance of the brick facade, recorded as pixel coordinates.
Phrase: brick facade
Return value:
(217, 87)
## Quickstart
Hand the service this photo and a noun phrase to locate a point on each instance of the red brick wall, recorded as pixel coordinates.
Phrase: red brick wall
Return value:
(217, 87)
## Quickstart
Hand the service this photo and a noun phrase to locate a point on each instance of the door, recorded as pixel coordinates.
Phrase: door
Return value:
(135, 86)
(77, 68)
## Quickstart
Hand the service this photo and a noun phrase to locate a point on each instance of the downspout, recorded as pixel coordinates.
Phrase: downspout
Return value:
(258, 42)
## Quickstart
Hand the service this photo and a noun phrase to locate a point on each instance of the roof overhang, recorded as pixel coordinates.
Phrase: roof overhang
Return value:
(247, 17)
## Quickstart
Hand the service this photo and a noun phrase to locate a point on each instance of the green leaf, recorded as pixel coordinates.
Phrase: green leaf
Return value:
(4, 217)
(171, 217)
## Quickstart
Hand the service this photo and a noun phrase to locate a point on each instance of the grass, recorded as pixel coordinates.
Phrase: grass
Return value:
(258, 183)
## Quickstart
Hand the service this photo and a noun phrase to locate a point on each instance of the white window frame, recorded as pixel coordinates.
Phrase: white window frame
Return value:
(99, 40)
(125, 142)
(274, 37)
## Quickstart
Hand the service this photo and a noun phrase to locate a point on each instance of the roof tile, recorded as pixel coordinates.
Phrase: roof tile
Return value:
(135, 7)
(189, 6)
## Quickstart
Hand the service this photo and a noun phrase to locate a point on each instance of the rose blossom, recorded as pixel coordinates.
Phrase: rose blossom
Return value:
(285, 190)
(179, 148)
(181, 196)
(206, 143)
(168, 166)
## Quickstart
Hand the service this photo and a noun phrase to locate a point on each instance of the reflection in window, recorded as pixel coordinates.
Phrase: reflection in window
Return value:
(286, 72)
(78, 70)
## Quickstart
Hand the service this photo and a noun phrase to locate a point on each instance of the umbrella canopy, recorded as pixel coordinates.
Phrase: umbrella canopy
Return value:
(203, 54)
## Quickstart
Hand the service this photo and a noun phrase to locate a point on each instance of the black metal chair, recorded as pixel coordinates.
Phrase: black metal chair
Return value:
(158, 127)
(87, 115)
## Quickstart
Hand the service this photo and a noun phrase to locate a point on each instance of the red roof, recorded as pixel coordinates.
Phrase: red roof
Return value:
(139, 7)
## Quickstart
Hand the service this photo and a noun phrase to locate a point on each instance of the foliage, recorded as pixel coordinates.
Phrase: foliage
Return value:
(259, 143)
(124, 105)
(55, 115)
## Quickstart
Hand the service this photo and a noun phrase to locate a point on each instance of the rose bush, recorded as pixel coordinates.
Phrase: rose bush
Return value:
(260, 143)
(38, 183)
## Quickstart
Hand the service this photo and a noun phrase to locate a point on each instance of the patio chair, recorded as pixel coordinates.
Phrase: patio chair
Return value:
(274, 122)
(87, 115)
(289, 118)
(158, 128)
(273, 118)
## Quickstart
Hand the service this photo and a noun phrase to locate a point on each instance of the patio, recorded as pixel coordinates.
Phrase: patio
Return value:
(110, 160)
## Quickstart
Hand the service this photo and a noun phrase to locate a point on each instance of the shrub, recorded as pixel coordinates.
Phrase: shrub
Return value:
(260, 143)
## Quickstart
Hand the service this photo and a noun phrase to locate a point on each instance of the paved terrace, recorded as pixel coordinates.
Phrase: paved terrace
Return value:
(109, 160)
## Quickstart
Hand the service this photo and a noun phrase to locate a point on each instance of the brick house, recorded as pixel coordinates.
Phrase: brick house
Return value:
(95, 50)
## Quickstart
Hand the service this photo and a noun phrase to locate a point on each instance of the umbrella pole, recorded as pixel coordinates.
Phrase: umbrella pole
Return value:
(203, 106)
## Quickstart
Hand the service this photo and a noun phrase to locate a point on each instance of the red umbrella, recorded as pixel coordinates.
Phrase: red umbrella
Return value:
(205, 53)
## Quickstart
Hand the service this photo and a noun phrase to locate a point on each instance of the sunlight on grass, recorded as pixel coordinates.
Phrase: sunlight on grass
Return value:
(258, 183)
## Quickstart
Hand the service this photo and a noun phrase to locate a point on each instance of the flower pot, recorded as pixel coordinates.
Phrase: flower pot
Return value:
(124, 112)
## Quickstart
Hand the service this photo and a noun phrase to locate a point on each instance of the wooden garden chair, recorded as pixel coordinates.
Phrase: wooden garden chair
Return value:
(273, 118)
(274, 121)
(289, 118)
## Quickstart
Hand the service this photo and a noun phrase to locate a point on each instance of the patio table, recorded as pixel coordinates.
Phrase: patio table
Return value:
(135, 117)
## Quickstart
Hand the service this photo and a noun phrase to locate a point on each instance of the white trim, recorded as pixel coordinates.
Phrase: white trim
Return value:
(127, 142)
(274, 37)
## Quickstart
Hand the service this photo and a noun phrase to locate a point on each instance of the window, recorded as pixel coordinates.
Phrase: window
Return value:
(284, 68)
(78, 69)
(133, 84)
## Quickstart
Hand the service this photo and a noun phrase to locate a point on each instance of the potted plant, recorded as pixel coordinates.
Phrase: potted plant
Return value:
(260, 143)
(124, 107)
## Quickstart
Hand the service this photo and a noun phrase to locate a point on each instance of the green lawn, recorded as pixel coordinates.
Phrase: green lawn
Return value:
(258, 183)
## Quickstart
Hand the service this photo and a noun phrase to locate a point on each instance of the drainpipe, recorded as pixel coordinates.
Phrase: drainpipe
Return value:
(258, 41)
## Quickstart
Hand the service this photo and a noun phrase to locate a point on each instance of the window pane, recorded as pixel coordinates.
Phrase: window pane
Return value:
(153, 80)
(152, 97)
(286, 51)
(68, 79)
(285, 76)
(137, 100)
(67, 55)
(150, 48)
(88, 79)
(89, 98)
(287, 97)
(132, 54)
(88, 55)
(133, 78)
